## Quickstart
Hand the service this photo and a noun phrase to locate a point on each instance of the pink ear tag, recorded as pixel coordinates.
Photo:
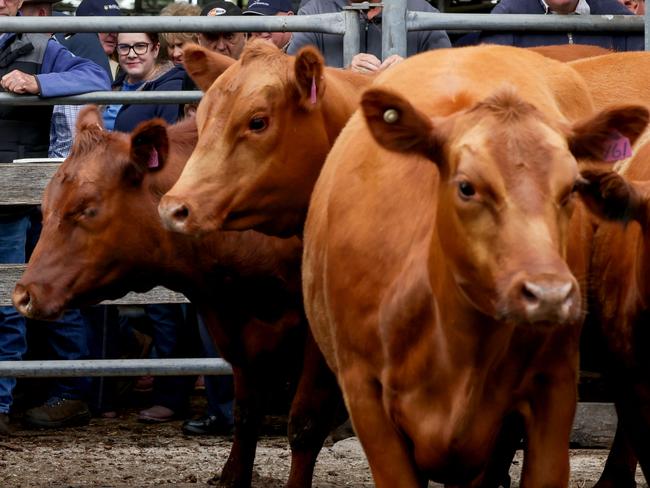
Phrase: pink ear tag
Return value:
(153, 159)
(312, 97)
(617, 147)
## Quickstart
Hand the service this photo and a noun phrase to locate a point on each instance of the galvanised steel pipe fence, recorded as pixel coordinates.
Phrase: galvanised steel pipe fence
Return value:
(24, 183)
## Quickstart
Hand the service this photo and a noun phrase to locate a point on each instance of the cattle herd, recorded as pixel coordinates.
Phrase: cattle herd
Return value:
(422, 250)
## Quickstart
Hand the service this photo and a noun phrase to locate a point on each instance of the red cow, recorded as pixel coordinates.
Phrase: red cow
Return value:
(620, 291)
(102, 237)
(265, 128)
(434, 272)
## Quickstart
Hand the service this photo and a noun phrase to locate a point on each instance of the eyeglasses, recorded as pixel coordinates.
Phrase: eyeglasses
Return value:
(138, 48)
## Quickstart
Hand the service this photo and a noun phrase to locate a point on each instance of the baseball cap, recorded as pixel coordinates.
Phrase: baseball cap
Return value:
(220, 7)
(41, 1)
(268, 7)
(98, 7)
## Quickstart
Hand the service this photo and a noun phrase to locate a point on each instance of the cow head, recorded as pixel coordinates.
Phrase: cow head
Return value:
(99, 218)
(265, 128)
(508, 176)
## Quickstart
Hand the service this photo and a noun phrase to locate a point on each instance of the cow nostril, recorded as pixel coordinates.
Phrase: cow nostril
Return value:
(530, 292)
(22, 299)
(181, 213)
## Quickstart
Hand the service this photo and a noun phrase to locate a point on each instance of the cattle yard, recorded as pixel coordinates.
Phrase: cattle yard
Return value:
(122, 452)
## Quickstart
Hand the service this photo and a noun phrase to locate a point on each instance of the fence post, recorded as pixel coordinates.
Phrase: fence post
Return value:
(352, 36)
(393, 29)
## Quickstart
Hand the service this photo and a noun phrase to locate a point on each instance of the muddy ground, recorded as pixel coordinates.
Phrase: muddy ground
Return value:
(124, 453)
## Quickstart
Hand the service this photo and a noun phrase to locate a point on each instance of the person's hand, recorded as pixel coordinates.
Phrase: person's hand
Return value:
(365, 63)
(19, 82)
(390, 61)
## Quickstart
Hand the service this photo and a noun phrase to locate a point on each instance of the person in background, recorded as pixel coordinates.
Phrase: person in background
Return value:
(230, 44)
(108, 40)
(637, 7)
(271, 7)
(82, 44)
(368, 60)
(174, 42)
(614, 42)
(141, 71)
(36, 64)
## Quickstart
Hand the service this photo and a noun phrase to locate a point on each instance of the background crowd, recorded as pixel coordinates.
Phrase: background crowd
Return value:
(69, 64)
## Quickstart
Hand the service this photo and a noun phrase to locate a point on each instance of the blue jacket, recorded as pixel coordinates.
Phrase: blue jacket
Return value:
(331, 45)
(616, 42)
(62, 73)
(130, 116)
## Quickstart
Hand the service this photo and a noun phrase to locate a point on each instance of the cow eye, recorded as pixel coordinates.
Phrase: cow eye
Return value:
(466, 190)
(257, 124)
(89, 212)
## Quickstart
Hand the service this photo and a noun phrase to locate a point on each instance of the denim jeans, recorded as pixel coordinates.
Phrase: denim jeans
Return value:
(66, 338)
(218, 389)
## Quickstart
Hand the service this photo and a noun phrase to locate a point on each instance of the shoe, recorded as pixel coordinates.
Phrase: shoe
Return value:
(58, 412)
(143, 384)
(208, 425)
(4, 424)
(156, 415)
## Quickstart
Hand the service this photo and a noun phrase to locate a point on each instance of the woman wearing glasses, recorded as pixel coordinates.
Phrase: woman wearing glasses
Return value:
(140, 70)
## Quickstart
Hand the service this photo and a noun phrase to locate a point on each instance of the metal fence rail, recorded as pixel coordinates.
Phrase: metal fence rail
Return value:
(105, 97)
(114, 367)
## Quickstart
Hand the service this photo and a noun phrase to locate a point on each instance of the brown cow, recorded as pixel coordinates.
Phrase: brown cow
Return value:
(439, 293)
(265, 125)
(102, 237)
(620, 292)
(616, 78)
(570, 52)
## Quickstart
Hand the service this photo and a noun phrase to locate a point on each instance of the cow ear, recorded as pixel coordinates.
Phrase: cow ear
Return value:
(308, 70)
(398, 126)
(149, 149)
(610, 134)
(609, 196)
(204, 66)
(89, 117)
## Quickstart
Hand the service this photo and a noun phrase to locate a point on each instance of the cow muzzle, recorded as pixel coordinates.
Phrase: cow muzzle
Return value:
(26, 304)
(175, 214)
(544, 300)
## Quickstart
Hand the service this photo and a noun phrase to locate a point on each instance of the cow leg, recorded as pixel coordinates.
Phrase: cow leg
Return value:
(620, 467)
(316, 403)
(386, 450)
(548, 429)
(238, 470)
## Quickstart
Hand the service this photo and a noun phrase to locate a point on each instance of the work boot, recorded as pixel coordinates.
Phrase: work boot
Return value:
(207, 425)
(4, 424)
(58, 412)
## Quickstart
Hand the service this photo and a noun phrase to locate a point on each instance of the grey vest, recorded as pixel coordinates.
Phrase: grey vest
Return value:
(24, 130)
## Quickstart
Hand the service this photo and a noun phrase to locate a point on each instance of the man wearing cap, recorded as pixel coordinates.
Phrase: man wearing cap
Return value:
(108, 40)
(368, 60)
(32, 64)
(229, 44)
(271, 7)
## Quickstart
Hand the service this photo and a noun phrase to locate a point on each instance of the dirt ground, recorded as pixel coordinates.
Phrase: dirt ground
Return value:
(121, 453)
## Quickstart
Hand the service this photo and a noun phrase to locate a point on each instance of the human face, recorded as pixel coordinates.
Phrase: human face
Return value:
(108, 41)
(229, 44)
(175, 47)
(280, 39)
(138, 67)
(637, 7)
(9, 8)
(562, 6)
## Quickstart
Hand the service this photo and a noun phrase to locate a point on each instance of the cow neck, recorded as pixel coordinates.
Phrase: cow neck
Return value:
(341, 99)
